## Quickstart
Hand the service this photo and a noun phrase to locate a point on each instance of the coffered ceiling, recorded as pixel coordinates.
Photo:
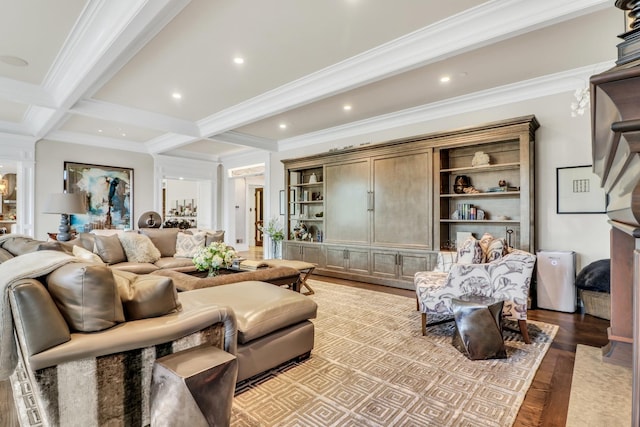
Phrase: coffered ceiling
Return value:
(159, 76)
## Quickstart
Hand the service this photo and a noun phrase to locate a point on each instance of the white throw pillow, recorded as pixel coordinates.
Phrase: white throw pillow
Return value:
(445, 260)
(470, 252)
(87, 256)
(138, 247)
(187, 245)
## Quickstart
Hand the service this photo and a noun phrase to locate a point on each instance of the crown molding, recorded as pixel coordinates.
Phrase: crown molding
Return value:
(136, 117)
(185, 154)
(507, 94)
(96, 141)
(24, 93)
(246, 140)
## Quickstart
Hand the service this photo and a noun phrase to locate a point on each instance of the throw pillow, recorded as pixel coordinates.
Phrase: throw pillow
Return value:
(109, 249)
(138, 247)
(146, 296)
(496, 250)
(84, 255)
(470, 252)
(162, 238)
(485, 241)
(86, 295)
(445, 260)
(217, 236)
(187, 245)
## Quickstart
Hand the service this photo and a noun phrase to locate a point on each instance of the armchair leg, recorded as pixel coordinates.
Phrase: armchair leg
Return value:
(417, 304)
(524, 331)
(424, 324)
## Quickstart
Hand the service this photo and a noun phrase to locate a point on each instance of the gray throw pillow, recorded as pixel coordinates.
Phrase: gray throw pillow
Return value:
(109, 249)
(86, 295)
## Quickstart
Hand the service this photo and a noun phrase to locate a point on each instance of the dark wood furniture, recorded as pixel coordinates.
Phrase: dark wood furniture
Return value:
(615, 120)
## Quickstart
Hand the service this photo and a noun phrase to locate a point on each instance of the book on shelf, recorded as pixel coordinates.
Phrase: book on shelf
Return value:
(502, 189)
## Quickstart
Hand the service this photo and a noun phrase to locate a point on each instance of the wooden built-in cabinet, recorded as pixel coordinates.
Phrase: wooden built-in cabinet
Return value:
(380, 213)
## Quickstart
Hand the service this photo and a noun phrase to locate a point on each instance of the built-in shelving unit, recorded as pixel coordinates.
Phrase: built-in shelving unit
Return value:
(381, 213)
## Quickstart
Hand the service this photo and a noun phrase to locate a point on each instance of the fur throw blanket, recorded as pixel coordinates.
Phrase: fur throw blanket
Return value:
(27, 266)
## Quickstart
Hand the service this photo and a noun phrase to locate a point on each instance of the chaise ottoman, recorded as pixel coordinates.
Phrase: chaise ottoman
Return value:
(273, 322)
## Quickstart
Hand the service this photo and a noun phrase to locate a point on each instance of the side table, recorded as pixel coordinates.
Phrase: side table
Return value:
(478, 332)
(193, 387)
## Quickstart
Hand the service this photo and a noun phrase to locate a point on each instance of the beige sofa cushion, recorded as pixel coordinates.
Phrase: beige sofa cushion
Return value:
(260, 308)
(21, 245)
(110, 249)
(5, 255)
(138, 247)
(86, 295)
(145, 296)
(85, 255)
(164, 239)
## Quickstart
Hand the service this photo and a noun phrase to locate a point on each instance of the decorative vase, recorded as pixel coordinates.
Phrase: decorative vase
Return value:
(213, 271)
(276, 249)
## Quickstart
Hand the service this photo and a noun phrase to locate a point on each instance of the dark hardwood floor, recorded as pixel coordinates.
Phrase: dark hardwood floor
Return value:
(547, 400)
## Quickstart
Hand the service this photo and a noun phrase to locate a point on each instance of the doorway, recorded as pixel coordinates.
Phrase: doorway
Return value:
(258, 216)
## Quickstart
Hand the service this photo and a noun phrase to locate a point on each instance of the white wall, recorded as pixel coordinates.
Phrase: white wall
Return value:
(50, 158)
(560, 141)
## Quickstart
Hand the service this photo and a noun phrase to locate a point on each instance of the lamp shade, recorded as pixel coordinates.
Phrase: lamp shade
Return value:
(65, 203)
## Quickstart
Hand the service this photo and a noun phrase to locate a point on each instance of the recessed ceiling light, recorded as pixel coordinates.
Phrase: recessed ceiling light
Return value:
(99, 130)
(238, 60)
(283, 125)
(123, 134)
(13, 60)
(181, 178)
(445, 79)
(176, 95)
(347, 107)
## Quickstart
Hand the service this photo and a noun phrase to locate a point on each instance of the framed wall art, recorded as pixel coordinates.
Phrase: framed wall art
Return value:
(579, 191)
(109, 195)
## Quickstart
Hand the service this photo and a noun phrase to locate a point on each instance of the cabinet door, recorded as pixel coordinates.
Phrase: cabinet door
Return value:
(347, 202)
(409, 264)
(292, 251)
(384, 263)
(312, 254)
(335, 258)
(402, 200)
(358, 261)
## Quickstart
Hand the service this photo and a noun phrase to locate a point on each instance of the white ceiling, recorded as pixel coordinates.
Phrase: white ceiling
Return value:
(102, 72)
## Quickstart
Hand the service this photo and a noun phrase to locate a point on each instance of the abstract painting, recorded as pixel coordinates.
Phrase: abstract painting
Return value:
(108, 192)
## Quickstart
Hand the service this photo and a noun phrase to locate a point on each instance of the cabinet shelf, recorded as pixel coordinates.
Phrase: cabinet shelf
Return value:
(481, 221)
(484, 168)
(487, 194)
(307, 184)
(309, 202)
(308, 219)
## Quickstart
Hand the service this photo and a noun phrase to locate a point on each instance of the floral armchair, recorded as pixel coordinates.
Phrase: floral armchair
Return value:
(507, 277)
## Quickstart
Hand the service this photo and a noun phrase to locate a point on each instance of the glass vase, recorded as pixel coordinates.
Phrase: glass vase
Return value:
(276, 249)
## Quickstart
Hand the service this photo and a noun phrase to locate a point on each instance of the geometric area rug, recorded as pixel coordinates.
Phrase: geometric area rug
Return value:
(371, 366)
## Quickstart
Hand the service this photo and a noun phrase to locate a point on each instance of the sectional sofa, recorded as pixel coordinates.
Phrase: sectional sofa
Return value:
(80, 339)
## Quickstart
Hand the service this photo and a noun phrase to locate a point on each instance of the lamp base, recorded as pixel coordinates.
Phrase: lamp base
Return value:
(64, 228)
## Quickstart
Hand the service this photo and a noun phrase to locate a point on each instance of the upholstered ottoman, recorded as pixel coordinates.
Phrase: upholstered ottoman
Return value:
(273, 322)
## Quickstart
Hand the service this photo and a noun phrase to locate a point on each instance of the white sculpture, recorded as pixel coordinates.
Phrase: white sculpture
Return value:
(480, 159)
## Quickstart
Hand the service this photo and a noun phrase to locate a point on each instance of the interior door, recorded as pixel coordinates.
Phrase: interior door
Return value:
(258, 219)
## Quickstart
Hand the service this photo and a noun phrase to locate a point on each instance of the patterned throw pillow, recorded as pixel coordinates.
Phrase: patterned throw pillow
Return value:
(138, 247)
(445, 260)
(187, 245)
(470, 252)
(496, 250)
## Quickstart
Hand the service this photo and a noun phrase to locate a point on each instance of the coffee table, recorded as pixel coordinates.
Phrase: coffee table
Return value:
(478, 333)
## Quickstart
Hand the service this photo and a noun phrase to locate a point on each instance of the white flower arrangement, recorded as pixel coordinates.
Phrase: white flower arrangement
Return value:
(213, 257)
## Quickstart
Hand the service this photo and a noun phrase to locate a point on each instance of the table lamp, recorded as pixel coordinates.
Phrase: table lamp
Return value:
(65, 204)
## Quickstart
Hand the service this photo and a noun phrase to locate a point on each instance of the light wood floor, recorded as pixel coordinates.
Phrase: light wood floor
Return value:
(546, 401)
